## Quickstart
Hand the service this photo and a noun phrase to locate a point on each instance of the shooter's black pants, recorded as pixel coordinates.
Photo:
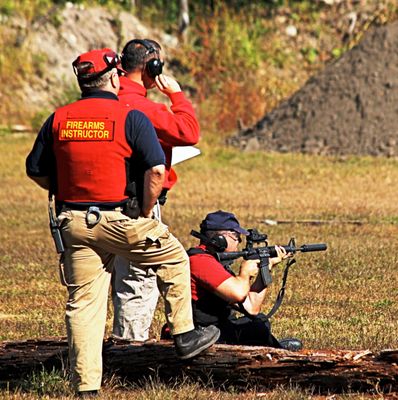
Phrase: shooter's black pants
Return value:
(247, 331)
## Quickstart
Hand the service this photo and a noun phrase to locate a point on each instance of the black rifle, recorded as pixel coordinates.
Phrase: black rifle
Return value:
(250, 252)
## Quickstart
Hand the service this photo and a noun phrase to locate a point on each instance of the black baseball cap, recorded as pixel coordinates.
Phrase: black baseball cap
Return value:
(222, 220)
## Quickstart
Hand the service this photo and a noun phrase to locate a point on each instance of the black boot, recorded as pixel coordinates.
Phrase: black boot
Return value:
(190, 344)
(291, 344)
(87, 394)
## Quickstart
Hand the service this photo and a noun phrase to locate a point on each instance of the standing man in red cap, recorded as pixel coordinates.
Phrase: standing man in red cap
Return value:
(83, 155)
(135, 294)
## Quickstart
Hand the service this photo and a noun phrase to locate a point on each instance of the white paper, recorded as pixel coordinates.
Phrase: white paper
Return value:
(182, 153)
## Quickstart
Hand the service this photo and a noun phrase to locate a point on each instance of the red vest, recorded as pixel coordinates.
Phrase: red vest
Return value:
(90, 149)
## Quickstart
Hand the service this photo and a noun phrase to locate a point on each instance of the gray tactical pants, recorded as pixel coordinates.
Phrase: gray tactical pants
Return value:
(134, 296)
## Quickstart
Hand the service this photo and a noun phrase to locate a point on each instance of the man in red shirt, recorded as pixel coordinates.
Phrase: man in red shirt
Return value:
(217, 292)
(135, 292)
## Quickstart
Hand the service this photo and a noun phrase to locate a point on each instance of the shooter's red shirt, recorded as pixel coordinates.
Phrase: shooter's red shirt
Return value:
(206, 274)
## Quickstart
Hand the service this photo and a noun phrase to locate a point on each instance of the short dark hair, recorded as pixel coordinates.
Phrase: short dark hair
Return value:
(97, 83)
(212, 234)
(134, 55)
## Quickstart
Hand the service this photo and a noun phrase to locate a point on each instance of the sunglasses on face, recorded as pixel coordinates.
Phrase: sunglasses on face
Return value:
(235, 236)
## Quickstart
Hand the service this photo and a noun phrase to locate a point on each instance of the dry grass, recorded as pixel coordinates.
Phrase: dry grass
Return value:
(343, 298)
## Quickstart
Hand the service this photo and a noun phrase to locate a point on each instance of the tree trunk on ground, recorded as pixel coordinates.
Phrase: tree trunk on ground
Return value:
(263, 368)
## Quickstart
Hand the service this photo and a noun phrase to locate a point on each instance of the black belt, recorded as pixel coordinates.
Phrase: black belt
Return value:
(85, 207)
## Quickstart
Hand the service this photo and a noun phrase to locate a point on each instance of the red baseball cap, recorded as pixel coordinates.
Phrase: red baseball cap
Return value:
(94, 63)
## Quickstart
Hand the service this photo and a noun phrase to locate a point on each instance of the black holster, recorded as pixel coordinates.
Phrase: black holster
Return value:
(132, 208)
(54, 228)
(162, 197)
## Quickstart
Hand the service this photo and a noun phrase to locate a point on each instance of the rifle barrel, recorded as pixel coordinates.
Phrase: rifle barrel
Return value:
(313, 247)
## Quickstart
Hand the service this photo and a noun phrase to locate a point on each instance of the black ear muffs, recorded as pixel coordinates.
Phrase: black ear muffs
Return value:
(218, 243)
(154, 66)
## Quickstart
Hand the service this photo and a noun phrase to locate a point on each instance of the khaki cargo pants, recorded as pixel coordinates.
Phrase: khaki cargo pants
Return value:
(86, 272)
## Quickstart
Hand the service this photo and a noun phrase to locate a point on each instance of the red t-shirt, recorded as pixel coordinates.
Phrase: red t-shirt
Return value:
(206, 274)
(178, 127)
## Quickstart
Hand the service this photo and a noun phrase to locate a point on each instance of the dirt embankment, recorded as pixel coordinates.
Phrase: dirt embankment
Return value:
(349, 108)
(54, 45)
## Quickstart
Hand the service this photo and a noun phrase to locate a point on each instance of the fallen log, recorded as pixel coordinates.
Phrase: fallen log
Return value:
(263, 368)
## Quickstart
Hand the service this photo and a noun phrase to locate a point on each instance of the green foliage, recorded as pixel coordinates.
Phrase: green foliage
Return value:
(229, 43)
(163, 13)
(7, 7)
(44, 382)
(4, 130)
(33, 9)
(384, 303)
(223, 58)
(337, 52)
(30, 9)
(237, 58)
(310, 53)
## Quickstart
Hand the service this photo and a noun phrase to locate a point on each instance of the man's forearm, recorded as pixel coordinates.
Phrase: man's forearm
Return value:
(153, 183)
(255, 297)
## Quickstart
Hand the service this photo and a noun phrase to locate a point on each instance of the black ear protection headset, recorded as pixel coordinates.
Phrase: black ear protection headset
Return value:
(153, 66)
(218, 243)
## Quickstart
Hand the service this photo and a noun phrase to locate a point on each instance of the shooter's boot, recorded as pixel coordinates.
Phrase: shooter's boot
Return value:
(291, 344)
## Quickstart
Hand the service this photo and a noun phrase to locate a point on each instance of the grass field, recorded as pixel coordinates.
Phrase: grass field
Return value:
(343, 298)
